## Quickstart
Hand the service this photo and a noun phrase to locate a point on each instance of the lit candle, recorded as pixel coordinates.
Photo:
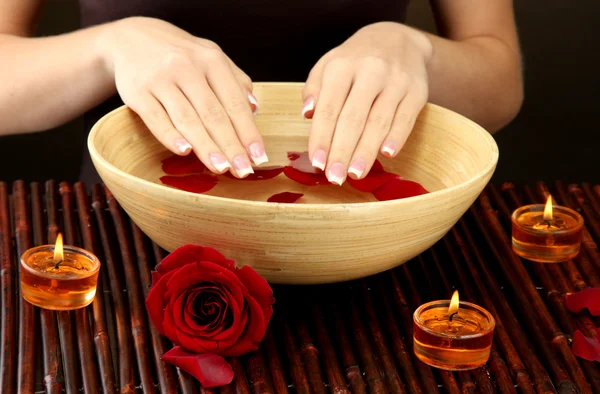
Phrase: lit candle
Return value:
(546, 233)
(452, 334)
(57, 277)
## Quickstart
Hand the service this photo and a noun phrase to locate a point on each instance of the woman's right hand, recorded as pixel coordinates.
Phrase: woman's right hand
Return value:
(187, 91)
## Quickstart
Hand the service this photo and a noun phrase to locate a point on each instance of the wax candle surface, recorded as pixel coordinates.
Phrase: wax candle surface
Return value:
(460, 343)
(546, 234)
(69, 285)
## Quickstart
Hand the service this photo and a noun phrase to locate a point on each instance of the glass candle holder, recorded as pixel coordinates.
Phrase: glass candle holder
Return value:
(552, 240)
(71, 284)
(454, 342)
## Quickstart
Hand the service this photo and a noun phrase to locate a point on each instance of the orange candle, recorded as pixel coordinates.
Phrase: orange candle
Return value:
(452, 334)
(59, 278)
(546, 234)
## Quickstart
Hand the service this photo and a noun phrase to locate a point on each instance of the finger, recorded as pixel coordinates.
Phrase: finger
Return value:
(245, 83)
(217, 123)
(337, 80)
(404, 120)
(350, 126)
(185, 119)
(157, 120)
(377, 128)
(310, 92)
(235, 102)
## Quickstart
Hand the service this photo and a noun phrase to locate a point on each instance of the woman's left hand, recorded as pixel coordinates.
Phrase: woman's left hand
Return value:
(364, 97)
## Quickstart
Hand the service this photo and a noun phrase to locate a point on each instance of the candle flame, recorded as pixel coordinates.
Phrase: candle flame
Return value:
(548, 209)
(453, 308)
(58, 249)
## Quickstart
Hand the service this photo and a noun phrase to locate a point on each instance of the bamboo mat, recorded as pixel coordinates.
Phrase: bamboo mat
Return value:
(345, 338)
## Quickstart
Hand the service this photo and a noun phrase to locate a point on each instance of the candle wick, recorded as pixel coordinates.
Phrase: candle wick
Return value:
(57, 264)
(452, 315)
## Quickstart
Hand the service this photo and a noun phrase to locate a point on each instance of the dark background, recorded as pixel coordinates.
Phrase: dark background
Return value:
(554, 137)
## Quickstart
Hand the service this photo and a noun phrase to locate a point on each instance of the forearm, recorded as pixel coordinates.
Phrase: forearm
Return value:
(479, 77)
(51, 80)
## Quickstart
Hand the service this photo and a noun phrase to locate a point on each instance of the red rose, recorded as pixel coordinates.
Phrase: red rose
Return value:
(206, 306)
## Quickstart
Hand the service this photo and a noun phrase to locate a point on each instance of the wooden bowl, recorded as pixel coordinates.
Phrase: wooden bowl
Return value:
(333, 233)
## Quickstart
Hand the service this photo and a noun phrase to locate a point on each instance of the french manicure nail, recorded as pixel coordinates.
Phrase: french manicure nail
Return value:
(253, 103)
(183, 146)
(389, 148)
(337, 174)
(319, 159)
(257, 151)
(219, 161)
(357, 168)
(242, 166)
(309, 108)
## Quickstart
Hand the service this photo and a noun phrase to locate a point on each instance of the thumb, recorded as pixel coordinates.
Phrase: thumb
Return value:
(310, 93)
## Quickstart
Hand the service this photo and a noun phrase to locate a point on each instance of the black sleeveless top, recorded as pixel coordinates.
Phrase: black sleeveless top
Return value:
(270, 40)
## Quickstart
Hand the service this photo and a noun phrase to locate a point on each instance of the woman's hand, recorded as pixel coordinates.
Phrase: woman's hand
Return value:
(364, 97)
(187, 91)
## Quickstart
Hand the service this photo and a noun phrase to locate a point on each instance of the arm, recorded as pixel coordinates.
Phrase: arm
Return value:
(46, 81)
(475, 68)
(190, 95)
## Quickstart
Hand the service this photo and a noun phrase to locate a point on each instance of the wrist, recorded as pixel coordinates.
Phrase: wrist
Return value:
(419, 39)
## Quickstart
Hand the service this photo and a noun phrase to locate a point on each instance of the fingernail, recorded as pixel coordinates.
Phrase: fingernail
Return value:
(253, 103)
(337, 173)
(183, 146)
(357, 168)
(308, 109)
(319, 159)
(219, 161)
(242, 166)
(389, 148)
(257, 151)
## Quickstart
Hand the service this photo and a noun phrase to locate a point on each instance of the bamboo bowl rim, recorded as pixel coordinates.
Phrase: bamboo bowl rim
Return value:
(489, 167)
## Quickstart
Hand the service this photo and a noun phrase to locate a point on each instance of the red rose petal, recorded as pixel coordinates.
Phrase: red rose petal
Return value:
(257, 286)
(285, 197)
(155, 302)
(197, 183)
(305, 178)
(211, 370)
(397, 189)
(586, 348)
(259, 174)
(187, 254)
(373, 181)
(588, 298)
(293, 155)
(303, 163)
(377, 166)
(180, 165)
(253, 334)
